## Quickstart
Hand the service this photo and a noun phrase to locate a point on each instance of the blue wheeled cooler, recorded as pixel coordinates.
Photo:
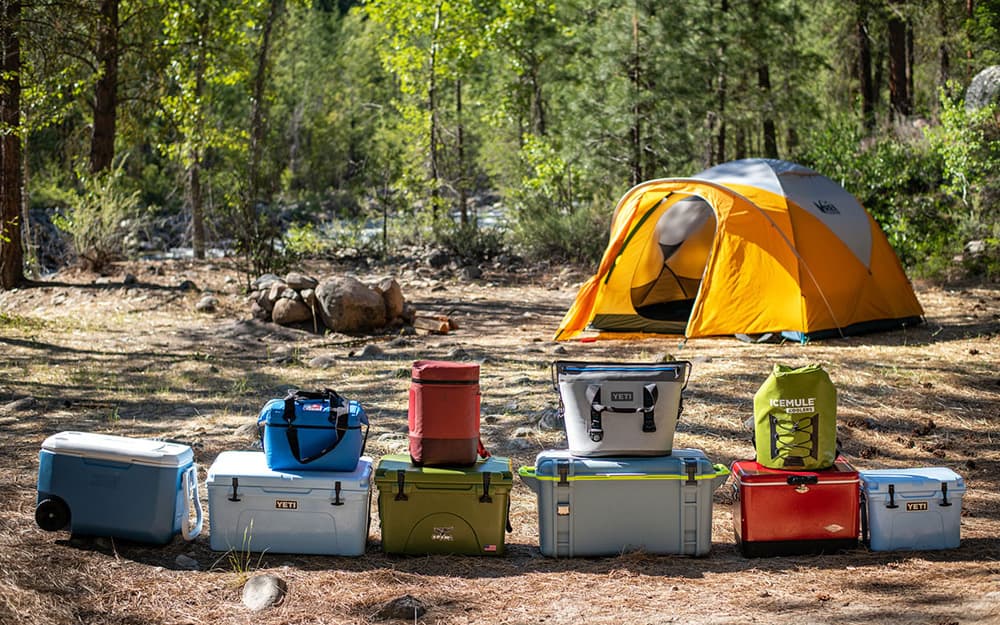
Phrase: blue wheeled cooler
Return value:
(132, 488)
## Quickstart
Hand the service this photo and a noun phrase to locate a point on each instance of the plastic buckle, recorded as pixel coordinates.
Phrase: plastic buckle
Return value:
(691, 468)
(562, 467)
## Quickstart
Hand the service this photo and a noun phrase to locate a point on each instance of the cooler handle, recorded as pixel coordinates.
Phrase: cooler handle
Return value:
(189, 484)
(529, 478)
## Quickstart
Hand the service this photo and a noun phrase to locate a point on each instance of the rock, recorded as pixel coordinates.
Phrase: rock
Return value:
(207, 304)
(457, 353)
(407, 608)
(259, 312)
(308, 296)
(102, 281)
(975, 248)
(18, 405)
(322, 362)
(523, 432)
(299, 281)
(187, 285)
(263, 591)
(247, 430)
(187, 563)
(130, 280)
(393, 438)
(400, 342)
(519, 444)
(392, 294)
(471, 272)
(491, 419)
(984, 89)
(409, 313)
(288, 311)
(274, 293)
(559, 349)
(438, 259)
(551, 420)
(264, 282)
(291, 294)
(370, 352)
(347, 305)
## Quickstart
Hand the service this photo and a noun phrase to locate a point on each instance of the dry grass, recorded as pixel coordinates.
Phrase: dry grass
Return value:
(141, 362)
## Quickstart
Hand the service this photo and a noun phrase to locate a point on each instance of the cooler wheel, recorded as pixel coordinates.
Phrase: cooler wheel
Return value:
(52, 514)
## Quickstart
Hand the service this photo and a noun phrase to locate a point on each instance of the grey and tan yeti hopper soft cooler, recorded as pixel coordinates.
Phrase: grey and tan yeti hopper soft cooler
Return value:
(607, 506)
(620, 409)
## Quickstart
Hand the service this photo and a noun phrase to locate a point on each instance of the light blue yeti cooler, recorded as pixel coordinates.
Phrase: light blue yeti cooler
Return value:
(252, 508)
(606, 506)
(131, 488)
(911, 509)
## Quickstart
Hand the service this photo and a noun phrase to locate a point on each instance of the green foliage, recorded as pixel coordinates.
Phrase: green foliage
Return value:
(471, 242)
(101, 216)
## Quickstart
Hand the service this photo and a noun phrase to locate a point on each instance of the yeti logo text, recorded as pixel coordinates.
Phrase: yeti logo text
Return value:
(622, 396)
(286, 504)
(799, 405)
(827, 208)
(916, 506)
(443, 534)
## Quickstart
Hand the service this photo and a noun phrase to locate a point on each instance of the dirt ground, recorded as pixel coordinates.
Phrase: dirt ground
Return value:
(138, 360)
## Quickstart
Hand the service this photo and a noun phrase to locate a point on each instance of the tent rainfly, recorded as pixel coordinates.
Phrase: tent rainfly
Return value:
(753, 248)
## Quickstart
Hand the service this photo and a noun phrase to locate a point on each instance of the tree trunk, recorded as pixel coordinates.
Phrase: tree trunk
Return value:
(635, 77)
(899, 98)
(944, 61)
(432, 109)
(537, 102)
(463, 207)
(770, 133)
(720, 154)
(193, 189)
(102, 140)
(253, 237)
(11, 248)
(865, 68)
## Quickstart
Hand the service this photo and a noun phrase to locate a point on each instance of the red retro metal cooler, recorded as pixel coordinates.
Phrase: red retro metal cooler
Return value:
(778, 512)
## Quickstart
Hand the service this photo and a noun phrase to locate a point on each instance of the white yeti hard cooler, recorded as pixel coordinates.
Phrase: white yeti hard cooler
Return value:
(607, 506)
(911, 509)
(254, 509)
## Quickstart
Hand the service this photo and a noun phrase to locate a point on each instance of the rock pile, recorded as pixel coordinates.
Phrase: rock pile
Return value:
(341, 304)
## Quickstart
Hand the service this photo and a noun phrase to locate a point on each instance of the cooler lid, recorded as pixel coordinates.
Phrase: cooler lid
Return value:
(444, 371)
(549, 465)
(250, 468)
(752, 472)
(927, 479)
(119, 449)
(390, 465)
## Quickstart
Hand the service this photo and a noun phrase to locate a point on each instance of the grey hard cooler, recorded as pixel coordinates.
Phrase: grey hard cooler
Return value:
(607, 506)
(620, 409)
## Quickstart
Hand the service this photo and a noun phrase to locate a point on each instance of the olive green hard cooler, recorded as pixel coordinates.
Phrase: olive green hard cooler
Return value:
(435, 510)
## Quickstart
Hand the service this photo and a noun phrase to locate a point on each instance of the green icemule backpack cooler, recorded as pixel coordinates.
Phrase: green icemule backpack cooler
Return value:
(313, 431)
(795, 419)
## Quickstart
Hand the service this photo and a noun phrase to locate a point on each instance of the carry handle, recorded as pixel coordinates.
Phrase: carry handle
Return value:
(650, 394)
(189, 484)
(799, 480)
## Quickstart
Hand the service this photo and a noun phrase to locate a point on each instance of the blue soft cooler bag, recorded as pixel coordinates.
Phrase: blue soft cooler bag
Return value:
(313, 431)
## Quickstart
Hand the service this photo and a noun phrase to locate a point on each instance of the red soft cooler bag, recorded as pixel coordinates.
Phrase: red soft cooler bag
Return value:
(444, 414)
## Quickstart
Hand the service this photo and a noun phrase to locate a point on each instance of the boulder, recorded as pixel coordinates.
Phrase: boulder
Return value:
(259, 312)
(207, 304)
(393, 296)
(263, 591)
(405, 608)
(347, 305)
(264, 282)
(288, 311)
(438, 259)
(984, 89)
(298, 281)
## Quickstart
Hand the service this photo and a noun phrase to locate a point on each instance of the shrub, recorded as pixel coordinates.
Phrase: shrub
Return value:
(100, 218)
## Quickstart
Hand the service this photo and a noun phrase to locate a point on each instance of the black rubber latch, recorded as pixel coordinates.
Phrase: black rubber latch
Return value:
(562, 468)
(236, 485)
(486, 490)
(400, 482)
(892, 497)
(944, 495)
(337, 501)
(691, 468)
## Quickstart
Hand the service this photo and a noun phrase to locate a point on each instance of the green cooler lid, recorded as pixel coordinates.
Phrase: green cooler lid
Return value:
(390, 465)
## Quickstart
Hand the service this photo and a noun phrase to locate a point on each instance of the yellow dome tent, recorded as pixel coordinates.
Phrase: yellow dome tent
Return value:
(754, 247)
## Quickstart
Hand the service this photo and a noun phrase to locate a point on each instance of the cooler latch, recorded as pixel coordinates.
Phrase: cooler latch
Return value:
(400, 482)
(892, 497)
(944, 495)
(337, 501)
(562, 467)
(236, 485)
(691, 468)
(486, 490)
